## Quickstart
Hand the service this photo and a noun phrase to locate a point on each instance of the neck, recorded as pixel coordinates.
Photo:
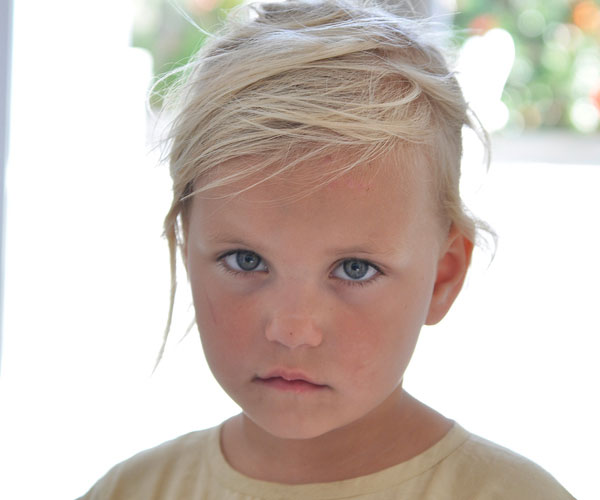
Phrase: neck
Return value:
(399, 429)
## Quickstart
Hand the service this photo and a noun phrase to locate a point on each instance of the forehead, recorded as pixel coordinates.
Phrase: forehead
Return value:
(404, 170)
(372, 202)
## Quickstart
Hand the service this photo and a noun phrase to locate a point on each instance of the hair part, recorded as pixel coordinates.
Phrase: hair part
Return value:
(295, 81)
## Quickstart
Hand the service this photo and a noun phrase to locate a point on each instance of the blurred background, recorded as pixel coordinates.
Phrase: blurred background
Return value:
(554, 80)
(86, 279)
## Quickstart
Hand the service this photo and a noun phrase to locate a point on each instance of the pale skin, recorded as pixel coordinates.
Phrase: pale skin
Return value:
(311, 337)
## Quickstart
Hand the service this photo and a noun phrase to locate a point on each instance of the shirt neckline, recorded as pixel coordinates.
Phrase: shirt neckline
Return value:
(392, 476)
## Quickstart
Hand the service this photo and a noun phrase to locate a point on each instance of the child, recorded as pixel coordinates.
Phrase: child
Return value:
(315, 163)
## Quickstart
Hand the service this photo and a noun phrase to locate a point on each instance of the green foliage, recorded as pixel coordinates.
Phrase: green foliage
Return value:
(173, 31)
(555, 80)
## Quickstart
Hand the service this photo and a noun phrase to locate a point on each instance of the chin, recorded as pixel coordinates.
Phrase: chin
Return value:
(293, 428)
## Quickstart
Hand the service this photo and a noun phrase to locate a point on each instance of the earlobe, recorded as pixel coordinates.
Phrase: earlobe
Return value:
(451, 272)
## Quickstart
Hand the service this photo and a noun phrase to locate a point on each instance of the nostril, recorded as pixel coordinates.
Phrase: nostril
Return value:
(293, 331)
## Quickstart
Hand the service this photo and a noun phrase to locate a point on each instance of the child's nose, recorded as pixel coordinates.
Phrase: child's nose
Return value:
(296, 312)
(293, 331)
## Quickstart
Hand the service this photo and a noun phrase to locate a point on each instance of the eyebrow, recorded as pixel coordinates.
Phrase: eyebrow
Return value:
(230, 239)
(221, 238)
(356, 250)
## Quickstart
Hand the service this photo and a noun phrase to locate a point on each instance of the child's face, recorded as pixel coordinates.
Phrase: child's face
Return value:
(309, 311)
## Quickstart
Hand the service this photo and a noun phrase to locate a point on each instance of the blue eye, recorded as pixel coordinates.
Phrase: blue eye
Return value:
(355, 270)
(244, 261)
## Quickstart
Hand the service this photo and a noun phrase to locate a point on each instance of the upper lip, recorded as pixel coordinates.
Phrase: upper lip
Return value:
(288, 375)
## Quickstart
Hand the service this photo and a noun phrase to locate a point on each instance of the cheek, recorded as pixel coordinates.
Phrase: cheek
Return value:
(228, 324)
(377, 339)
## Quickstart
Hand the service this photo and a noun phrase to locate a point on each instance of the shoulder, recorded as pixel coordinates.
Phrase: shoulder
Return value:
(169, 467)
(485, 470)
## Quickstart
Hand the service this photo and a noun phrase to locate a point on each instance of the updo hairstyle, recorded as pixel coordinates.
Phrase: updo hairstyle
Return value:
(296, 81)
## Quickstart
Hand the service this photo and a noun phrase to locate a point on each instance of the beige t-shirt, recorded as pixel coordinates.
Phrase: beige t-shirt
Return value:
(460, 466)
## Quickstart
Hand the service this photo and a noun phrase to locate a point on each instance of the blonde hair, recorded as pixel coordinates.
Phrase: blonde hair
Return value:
(297, 80)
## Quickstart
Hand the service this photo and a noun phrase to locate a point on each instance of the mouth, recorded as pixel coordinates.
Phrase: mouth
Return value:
(292, 382)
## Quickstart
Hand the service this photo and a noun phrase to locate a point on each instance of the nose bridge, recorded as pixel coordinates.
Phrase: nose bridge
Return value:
(294, 319)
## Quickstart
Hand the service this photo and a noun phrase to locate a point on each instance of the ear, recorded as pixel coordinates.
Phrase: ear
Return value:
(451, 272)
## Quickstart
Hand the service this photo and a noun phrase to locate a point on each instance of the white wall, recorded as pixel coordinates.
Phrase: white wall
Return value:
(516, 360)
(6, 18)
(87, 285)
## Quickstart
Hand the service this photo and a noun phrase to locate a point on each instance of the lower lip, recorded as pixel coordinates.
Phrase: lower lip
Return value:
(297, 386)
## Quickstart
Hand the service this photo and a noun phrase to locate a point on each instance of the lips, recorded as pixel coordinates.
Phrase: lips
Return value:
(289, 381)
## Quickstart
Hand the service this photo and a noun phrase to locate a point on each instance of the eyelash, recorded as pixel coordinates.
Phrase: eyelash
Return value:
(348, 282)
